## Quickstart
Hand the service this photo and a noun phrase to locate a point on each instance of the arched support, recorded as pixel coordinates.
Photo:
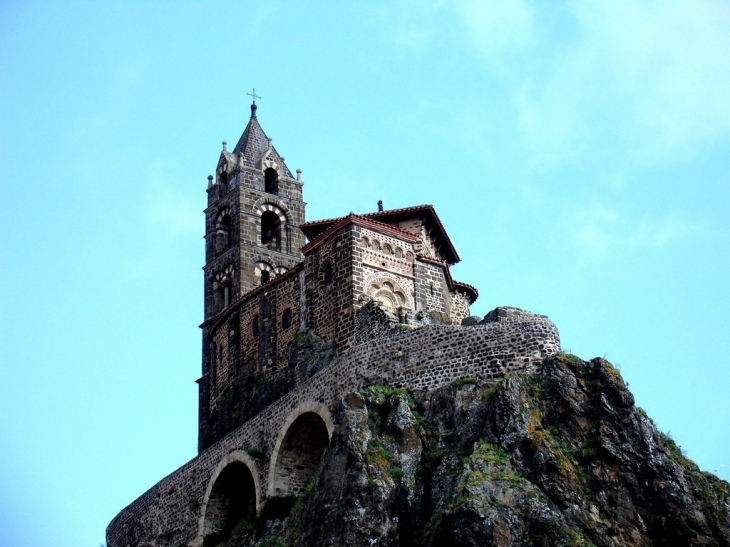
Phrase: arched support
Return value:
(233, 493)
(302, 439)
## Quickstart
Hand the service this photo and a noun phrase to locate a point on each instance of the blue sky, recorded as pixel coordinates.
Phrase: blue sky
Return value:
(578, 154)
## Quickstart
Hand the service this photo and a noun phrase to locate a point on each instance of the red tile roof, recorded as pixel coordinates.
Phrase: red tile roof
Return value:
(314, 229)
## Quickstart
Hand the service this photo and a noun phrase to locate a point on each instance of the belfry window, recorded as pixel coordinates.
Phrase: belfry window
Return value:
(271, 181)
(265, 276)
(271, 231)
(223, 180)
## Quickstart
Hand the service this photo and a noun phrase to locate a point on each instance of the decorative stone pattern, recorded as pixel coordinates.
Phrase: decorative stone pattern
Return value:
(426, 358)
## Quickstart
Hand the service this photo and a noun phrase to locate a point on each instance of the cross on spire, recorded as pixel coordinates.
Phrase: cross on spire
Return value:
(253, 95)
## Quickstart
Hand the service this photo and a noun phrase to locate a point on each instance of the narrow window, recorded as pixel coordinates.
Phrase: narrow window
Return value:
(329, 275)
(265, 276)
(223, 180)
(286, 319)
(255, 326)
(271, 181)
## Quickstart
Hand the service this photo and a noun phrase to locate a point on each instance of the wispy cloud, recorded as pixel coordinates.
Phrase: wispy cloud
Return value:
(599, 231)
(648, 79)
(497, 27)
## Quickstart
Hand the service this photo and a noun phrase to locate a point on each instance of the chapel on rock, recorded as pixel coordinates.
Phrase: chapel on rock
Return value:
(265, 284)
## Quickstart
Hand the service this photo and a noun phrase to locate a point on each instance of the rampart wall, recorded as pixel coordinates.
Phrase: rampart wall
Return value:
(171, 512)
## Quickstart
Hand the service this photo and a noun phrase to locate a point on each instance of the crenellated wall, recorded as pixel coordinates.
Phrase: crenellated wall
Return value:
(181, 508)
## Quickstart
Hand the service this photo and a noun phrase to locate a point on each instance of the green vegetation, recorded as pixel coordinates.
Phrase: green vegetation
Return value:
(463, 381)
(255, 452)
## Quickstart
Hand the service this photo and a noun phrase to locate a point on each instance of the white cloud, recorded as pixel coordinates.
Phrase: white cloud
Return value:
(648, 80)
(599, 231)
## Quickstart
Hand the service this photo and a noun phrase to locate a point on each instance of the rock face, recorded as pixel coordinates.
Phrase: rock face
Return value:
(557, 458)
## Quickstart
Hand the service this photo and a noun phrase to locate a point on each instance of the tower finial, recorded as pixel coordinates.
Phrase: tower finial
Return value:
(253, 105)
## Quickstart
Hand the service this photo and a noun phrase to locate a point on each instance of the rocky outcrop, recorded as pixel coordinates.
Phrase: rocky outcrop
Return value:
(558, 457)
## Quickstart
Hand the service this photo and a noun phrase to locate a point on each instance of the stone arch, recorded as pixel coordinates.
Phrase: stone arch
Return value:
(223, 287)
(389, 291)
(270, 164)
(280, 270)
(233, 494)
(302, 440)
(263, 272)
(262, 205)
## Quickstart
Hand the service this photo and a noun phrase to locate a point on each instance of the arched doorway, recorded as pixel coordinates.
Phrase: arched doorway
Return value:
(300, 453)
(232, 501)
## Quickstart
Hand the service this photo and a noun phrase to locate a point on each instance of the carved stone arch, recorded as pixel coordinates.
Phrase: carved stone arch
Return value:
(389, 291)
(234, 484)
(299, 446)
(280, 270)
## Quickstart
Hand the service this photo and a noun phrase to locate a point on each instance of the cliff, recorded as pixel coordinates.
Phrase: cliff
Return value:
(559, 456)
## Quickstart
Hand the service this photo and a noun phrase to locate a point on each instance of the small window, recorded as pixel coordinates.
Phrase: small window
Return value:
(265, 276)
(329, 275)
(255, 326)
(271, 181)
(286, 319)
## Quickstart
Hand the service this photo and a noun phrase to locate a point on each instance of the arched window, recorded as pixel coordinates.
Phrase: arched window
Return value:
(271, 181)
(255, 326)
(329, 274)
(265, 276)
(271, 230)
(286, 319)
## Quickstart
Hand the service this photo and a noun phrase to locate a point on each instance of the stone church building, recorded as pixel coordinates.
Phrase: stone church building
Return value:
(264, 282)
(297, 315)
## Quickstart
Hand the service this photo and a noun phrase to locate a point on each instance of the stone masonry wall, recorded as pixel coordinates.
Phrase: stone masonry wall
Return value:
(427, 358)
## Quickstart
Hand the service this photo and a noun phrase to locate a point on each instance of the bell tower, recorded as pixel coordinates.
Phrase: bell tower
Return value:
(252, 220)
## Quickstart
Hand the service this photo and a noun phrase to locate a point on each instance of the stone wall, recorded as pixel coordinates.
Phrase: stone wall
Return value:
(170, 513)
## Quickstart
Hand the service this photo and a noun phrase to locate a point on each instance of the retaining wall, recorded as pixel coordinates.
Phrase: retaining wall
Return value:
(169, 513)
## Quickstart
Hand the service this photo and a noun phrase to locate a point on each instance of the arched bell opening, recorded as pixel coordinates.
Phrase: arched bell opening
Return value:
(271, 230)
(231, 504)
(300, 455)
